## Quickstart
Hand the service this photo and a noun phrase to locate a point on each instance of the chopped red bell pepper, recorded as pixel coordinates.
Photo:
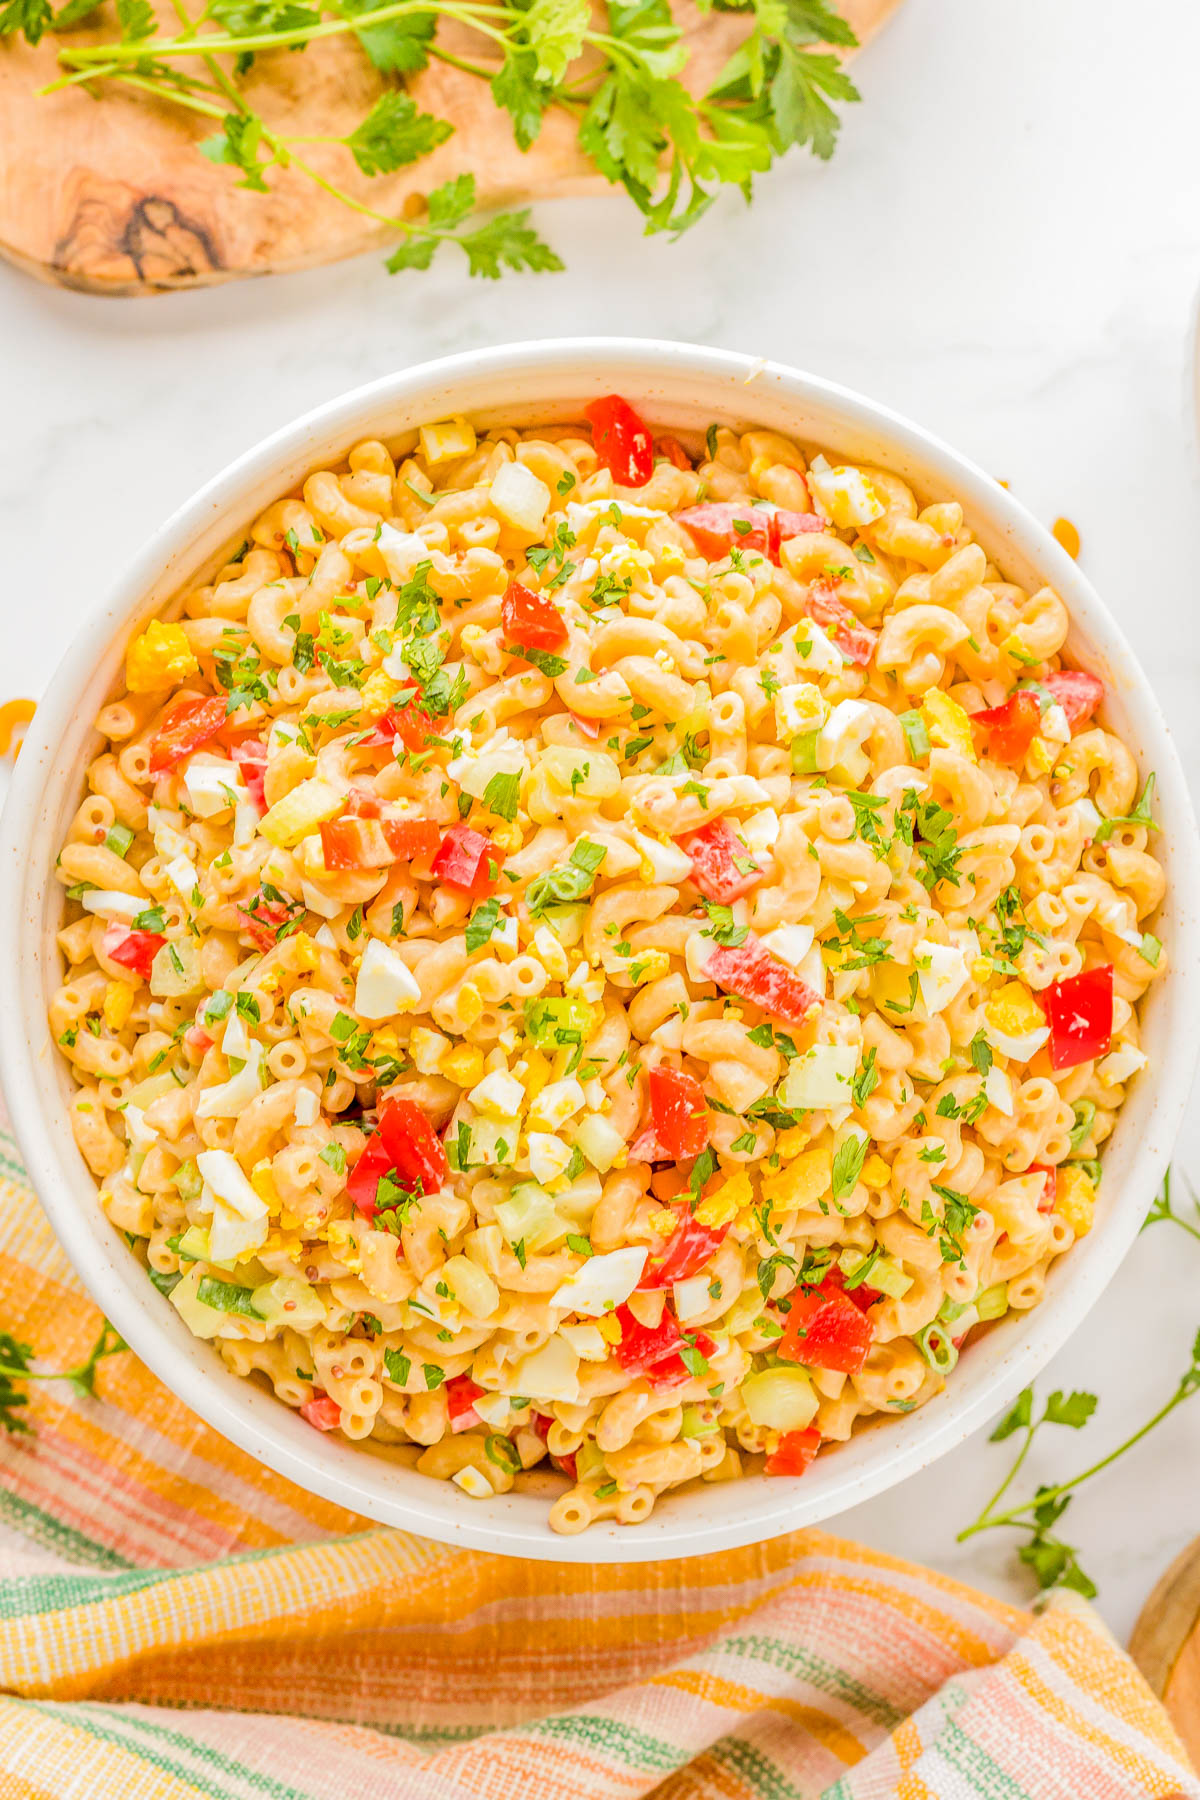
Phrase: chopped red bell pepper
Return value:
(413, 1145)
(642, 1346)
(541, 1423)
(134, 950)
(265, 919)
(864, 1297)
(566, 1463)
(673, 450)
(185, 728)
(826, 1330)
(197, 1040)
(794, 1452)
(830, 612)
(678, 1112)
(468, 860)
(688, 1249)
(411, 724)
(362, 842)
(672, 1371)
(589, 727)
(750, 971)
(371, 1165)
(1079, 1012)
(251, 757)
(722, 867)
(1049, 1186)
(531, 619)
(322, 1412)
(622, 439)
(1077, 692)
(1011, 726)
(461, 1395)
(718, 526)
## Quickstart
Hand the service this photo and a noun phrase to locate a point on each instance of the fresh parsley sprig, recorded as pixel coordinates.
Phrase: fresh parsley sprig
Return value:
(15, 1369)
(640, 125)
(1054, 1562)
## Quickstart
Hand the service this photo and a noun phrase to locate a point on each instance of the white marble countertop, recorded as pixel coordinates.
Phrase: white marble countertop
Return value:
(1006, 247)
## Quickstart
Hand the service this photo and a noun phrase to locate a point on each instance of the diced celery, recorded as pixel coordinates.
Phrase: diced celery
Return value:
(202, 1321)
(599, 1140)
(804, 753)
(822, 1077)
(890, 1278)
(188, 1181)
(694, 1424)
(916, 734)
(175, 971)
(592, 774)
(749, 1306)
(191, 1245)
(566, 921)
(883, 1273)
(780, 1399)
(153, 1088)
(589, 1460)
(993, 1302)
(554, 1023)
(950, 1310)
(528, 1216)
(118, 839)
(289, 1300)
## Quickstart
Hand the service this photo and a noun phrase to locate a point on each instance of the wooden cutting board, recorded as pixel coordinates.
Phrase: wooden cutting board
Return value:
(113, 197)
(1166, 1645)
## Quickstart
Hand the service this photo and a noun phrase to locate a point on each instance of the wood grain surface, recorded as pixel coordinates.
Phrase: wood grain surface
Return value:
(111, 196)
(1166, 1645)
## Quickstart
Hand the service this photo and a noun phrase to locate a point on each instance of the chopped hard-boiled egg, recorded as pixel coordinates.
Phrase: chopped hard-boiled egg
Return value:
(498, 1096)
(661, 861)
(761, 830)
(846, 496)
(556, 1103)
(160, 657)
(212, 785)
(181, 873)
(386, 985)
(446, 440)
(474, 1482)
(1121, 1064)
(108, 903)
(549, 1157)
(550, 1373)
(948, 724)
(519, 497)
(691, 1298)
(998, 1089)
(230, 1098)
(816, 652)
(941, 973)
(799, 706)
(427, 1049)
(790, 943)
(1014, 1023)
(223, 1173)
(841, 738)
(603, 1282)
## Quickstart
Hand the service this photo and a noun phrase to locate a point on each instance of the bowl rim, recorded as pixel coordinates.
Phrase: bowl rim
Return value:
(256, 1421)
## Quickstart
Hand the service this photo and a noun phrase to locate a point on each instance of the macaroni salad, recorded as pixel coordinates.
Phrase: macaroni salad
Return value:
(603, 952)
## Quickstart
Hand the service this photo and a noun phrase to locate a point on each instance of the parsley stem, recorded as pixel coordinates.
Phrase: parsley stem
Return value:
(1017, 1516)
(475, 13)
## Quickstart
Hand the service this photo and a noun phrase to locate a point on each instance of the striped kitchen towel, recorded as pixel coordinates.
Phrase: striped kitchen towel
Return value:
(176, 1621)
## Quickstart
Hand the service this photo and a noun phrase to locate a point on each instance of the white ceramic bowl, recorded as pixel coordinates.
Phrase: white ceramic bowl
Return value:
(675, 385)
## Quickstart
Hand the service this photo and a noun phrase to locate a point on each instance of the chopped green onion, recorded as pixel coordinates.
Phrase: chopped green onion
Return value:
(933, 1341)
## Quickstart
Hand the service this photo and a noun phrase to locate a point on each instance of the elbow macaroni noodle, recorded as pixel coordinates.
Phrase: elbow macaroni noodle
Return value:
(790, 668)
